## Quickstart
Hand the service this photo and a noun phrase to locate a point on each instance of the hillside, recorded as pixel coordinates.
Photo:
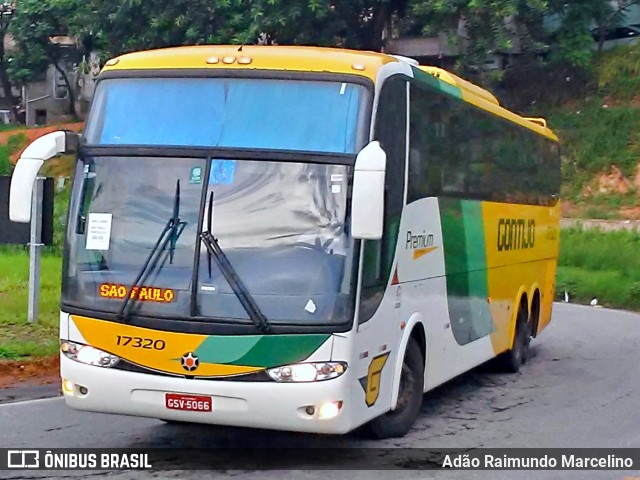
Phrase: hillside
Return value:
(600, 134)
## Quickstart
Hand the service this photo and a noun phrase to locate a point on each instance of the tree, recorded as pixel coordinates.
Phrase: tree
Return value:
(573, 41)
(479, 28)
(7, 12)
(35, 25)
(122, 26)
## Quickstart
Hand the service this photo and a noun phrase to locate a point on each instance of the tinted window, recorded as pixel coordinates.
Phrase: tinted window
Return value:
(390, 131)
(460, 151)
(227, 112)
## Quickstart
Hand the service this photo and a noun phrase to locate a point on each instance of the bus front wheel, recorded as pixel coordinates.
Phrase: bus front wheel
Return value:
(398, 422)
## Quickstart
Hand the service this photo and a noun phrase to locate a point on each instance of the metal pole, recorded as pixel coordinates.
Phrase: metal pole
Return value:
(35, 249)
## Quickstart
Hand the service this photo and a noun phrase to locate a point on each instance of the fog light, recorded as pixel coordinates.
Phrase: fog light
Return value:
(329, 410)
(83, 390)
(67, 387)
(310, 410)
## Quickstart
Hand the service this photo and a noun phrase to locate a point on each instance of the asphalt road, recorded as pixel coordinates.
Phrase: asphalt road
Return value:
(581, 388)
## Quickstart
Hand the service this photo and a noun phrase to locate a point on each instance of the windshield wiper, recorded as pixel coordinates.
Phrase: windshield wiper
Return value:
(231, 276)
(169, 236)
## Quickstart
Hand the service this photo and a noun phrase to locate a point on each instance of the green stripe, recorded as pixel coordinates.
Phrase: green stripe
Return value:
(436, 83)
(466, 269)
(263, 351)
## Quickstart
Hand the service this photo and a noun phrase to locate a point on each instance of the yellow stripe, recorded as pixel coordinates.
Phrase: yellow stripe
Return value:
(421, 252)
(304, 59)
(515, 271)
(104, 335)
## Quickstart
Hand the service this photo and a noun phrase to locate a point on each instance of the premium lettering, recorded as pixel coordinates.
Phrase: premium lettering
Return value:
(423, 240)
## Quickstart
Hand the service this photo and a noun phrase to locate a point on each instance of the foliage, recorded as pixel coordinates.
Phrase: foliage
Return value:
(479, 28)
(127, 25)
(588, 269)
(17, 337)
(6, 167)
(485, 27)
(619, 72)
(35, 23)
(7, 13)
(14, 144)
(596, 136)
(600, 130)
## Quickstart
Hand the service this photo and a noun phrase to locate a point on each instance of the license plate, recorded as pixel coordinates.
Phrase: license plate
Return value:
(191, 403)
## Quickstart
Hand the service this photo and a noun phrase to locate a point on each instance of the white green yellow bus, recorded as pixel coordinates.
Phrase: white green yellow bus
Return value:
(295, 238)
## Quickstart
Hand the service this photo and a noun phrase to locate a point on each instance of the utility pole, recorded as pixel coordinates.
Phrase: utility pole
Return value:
(35, 250)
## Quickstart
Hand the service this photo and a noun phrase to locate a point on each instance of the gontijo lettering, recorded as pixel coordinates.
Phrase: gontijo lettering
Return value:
(516, 234)
(143, 294)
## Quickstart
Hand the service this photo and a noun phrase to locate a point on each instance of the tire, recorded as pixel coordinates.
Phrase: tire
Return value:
(398, 422)
(511, 360)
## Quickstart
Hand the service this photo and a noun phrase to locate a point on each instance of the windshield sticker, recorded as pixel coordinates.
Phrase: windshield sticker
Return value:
(311, 307)
(142, 294)
(98, 231)
(222, 172)
(195, 176)
(335, 188)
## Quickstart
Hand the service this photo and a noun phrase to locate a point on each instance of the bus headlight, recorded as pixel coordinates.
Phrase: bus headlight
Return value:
(87, 354)
(307, 372)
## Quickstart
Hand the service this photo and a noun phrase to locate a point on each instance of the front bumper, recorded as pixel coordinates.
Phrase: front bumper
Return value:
(271, 405)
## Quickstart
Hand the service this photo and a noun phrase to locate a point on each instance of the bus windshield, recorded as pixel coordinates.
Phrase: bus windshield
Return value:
(282, 225)
(313, 116)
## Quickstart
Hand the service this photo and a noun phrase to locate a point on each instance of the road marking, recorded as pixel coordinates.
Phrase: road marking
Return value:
(28, 402)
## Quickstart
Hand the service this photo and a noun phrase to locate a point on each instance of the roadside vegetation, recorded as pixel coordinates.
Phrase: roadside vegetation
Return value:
(18, 338)
(13, 145)
(600, 136)
(602, 265)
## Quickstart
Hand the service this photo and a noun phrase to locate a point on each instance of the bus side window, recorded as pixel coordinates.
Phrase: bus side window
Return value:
(390, 131)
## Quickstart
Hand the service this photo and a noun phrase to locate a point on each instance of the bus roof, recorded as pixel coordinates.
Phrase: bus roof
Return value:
(310, 59)
(298, 58)
(485, 100)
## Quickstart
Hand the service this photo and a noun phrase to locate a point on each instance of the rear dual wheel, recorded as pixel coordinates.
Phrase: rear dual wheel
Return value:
(511, 360)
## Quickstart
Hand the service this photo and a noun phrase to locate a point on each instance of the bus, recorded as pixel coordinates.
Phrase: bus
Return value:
(295, 238)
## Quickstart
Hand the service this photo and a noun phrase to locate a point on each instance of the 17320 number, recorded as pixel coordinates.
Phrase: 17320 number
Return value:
(139, 342)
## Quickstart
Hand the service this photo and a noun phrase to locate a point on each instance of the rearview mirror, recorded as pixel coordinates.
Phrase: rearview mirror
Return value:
(28, 166)
(367, 204)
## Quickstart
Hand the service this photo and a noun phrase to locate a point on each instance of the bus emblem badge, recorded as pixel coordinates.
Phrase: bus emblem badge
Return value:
(190, 362)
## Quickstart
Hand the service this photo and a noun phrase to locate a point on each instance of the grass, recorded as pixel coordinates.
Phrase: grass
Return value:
(13, 145)
(601, 129)
(9, 127)
(594, 138)
(18, 338)
(605, 265)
